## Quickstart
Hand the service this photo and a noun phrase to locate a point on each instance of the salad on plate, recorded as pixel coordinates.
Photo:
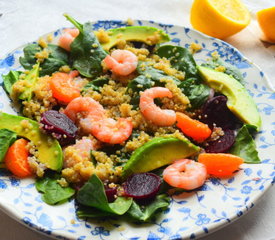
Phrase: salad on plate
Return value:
(120, 120)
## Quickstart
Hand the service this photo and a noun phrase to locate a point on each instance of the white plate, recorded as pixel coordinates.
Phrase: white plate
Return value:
(189, 215)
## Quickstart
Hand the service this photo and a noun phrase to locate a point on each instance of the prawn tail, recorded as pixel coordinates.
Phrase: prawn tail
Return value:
(65, 41)
(110, 62)
(73, 74)
(74, 32)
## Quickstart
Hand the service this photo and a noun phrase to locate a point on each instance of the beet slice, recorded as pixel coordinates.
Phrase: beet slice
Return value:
(110, 193)
(223, 144)
(137, 44)
(60, 126)
(215, 111)
(142, 185)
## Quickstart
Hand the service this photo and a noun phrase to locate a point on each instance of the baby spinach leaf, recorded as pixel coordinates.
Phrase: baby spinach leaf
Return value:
(7, 138)
(245, 146)
(144, 213)
(154, 74)
(196, 92)
(53, 193)
(180, 59)
(9, 79)
(149, 77)
(29, 58)
(31, 79)
(96, 84)
(251, 129)
(86, 51)
(93, 194)
(141, 83)
(229, 68)
(57, 58)
(90, 212)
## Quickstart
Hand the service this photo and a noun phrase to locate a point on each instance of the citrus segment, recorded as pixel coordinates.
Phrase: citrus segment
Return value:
(220, 164)
(16, 159)
(219, 19)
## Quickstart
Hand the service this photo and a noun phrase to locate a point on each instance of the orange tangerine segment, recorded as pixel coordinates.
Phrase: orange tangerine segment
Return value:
(266, 20)
(16, 159)
(218, 18)
(220, 164)
(193, 128)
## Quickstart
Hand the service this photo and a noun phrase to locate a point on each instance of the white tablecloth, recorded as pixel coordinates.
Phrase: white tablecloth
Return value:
(22, 21)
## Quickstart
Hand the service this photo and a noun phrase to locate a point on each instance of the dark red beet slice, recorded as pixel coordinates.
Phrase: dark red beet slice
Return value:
(110, 194)
(60, 126)
(223, 144)
(137, 44)
(215, 111)
(142, 185)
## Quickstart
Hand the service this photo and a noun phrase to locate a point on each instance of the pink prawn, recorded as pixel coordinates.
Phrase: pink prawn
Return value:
(158, 116)
(121, 62)
(94, 121)
(67, 38)
(186, 174)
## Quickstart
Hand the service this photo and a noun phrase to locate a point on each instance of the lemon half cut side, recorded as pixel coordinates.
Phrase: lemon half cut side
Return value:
(219, 18)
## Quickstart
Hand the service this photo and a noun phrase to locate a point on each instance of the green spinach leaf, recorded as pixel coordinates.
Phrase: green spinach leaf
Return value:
(139, 84)
(7, 138)
(245, 146)
(93, 194)
(57, 58)
(144, 213)
(154, 74)
(9, 79)
(148, 78)
(90, 212)
(196, 92)
(86, 51)
(53, 193)
(96, 84)
(29, 58)
(229, 68)
(180, 58)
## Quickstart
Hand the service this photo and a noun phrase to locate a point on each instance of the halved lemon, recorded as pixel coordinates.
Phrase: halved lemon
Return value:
(266, 20)
(219, 18)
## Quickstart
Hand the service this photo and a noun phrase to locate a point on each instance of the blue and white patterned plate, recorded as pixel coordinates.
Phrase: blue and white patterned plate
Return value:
(190, 215)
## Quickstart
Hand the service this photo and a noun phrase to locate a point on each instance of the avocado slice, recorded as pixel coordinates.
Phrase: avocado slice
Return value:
(49, 150)
(157, 153)
(239, 101)
(31, 79)
(146, 34)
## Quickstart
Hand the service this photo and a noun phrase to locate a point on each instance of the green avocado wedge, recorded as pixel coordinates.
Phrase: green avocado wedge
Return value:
(31, 79)
(49, 150)
(239, 101)
(156, 153)
(148, 35)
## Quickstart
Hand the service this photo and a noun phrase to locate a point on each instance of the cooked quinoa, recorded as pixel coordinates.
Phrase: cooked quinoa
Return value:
(115, 97)
(41, 101)
(102, 36)
(195, 47)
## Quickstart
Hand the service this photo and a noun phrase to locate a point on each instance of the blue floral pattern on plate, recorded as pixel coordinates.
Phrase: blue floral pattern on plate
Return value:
(191, 214)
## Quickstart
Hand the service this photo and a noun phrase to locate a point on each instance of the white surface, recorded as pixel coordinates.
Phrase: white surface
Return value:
(24, 20)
